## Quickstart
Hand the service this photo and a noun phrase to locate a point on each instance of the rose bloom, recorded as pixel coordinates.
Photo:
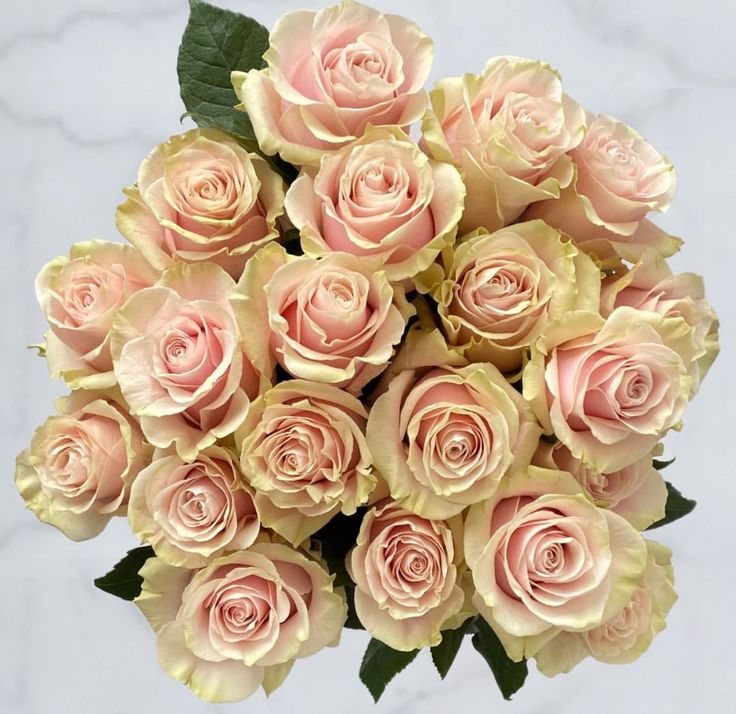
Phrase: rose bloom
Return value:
(303, 450)
(330, 75)
(650, 285)
(333, 320)
(406, 570)
(609, 390)
(201, 197)
(240, 622)
(193, 512)
(179, 359)
(499, 291)
(444, 439)
(545, 559)
(508, 130)
(78, 297)
(380, 199)
(619, 179)
(628, 634)
(77, 473)
(637, 492)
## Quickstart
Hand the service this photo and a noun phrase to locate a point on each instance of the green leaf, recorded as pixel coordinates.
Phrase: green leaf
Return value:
(677, 507)
(123, 580)
(215, 43)
(381, 664)
(509, 675)
(661, 465)
(40, 349)
(443, 654)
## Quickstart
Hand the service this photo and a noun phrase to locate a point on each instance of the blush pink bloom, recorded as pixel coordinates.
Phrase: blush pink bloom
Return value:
(333, 320)
(619, 179)
(303, 450)
(191, 513)
(609, 390)
(330, 75)
(509, 131)
(650, 285)
(77, 473)
(545, 559)
(201, 197)
(407, 574)
(79, 297)
(445, 438)
(380, 199)
(637, 492)
(240, 623)
(179, 359)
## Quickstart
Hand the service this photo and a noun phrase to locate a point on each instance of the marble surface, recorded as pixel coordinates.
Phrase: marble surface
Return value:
(88, 87)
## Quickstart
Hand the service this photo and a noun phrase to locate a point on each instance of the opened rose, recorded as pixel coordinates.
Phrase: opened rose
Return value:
(330, 75)
(303, 450)
(192, 512)
(544, 558)
(201, 197)
(179, 359)
(79, 297)
(240, 623)
(509, 131)
(77, 473)
(380, 199)
(444, 439)
(609, 390)
(333, 320)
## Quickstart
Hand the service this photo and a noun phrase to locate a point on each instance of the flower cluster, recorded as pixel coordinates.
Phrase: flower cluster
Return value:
(469, 347)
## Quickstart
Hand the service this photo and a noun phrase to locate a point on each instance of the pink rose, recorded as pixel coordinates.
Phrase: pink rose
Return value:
(636, 492)
(79, 297)
(240, 622)
(619, 179)
(446, 438)
(380, 199)
(508, 130)
(78, 471)
(650, 285)
(193, 512)
(545, 559)
(201, 197)
(330, 75)
(609, 390)
(303, 450)
(407, 575)
(333, 320)
(179, 359)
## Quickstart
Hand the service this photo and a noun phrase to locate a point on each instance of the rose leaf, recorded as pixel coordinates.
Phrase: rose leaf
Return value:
(443, 654)
(123, 580)
(509, 675)
(676, 507)
(380, 665)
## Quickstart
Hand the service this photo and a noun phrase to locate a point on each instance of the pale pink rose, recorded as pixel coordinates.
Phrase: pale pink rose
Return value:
(330, 75)
(544, 558)
(240, 622)
(333, 320)
(509, 130)
(78, 297)
(380, 199)
(628, 634)
(445, 438)
(303, 450)
(650, 285)
(78, 471)
(407, 574)
(609, 390)
(191, 513)
(179, 359)
(637, 492)
(201, 197)
(619, 179)
(498, 292)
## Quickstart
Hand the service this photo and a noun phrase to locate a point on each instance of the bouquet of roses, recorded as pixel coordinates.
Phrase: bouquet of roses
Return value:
(343, 378)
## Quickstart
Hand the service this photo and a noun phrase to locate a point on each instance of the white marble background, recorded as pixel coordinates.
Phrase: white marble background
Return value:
(88, 87)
